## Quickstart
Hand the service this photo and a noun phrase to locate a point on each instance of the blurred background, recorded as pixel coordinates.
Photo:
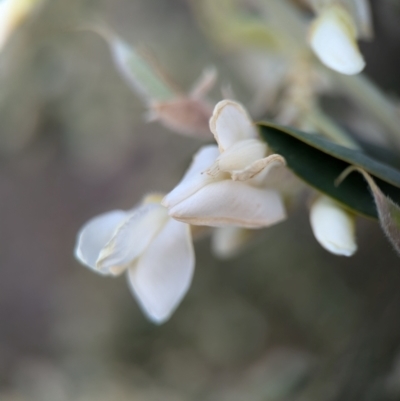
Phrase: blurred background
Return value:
(285, 320)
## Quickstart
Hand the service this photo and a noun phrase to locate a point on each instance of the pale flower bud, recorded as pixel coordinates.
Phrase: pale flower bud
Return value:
(333, 226)
(333, 38)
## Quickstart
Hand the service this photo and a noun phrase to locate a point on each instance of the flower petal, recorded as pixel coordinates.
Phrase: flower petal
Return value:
(12, 14)
(241, 155)
(333, 227)
(230, 123)
(163, 274)
(258, 170)
(333, 39)
(227, 202)
(95, 234)
(131, 238)
(193, 180)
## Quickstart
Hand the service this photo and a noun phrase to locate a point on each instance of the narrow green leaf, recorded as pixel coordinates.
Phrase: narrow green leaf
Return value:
(141, 73)
(148, 81)
(320, 162)
(143, 77)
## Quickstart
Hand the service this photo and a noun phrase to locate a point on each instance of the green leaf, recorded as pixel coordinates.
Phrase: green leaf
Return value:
(139, 72)
(320, 162)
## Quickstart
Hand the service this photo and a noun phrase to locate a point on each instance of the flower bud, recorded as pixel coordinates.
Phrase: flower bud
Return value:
(333, 39)
(333, 227)
(184, 115)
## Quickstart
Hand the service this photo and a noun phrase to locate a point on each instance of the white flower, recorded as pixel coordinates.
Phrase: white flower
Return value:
(333, 37)
(224, 184)
(333, 226)
(155, 250)
(12, 14)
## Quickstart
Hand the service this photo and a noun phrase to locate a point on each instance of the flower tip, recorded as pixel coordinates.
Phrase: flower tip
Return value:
(333, 227)
(158, 319)
(333, 40)
(230, 123)
(165, 201)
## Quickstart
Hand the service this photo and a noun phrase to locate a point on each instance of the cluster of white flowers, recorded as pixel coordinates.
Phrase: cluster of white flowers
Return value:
(225, 187)
(233, 186)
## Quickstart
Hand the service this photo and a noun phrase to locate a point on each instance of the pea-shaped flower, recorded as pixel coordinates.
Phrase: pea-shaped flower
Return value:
(225, 185)
(155, 251)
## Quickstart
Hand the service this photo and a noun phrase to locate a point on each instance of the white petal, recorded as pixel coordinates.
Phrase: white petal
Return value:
(258, 170)
(12, 14)
(241, 155)
(163, 274)
(95, 234)
(229, 202)
(194, 179)
(333, 227)
(230, 123)
(132, 237)
(333, 39)
(227, 242)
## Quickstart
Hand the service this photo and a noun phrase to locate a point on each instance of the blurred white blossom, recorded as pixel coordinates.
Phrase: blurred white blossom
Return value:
(12, 14)
(333, 226)
(333, 37)
(155, 251)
